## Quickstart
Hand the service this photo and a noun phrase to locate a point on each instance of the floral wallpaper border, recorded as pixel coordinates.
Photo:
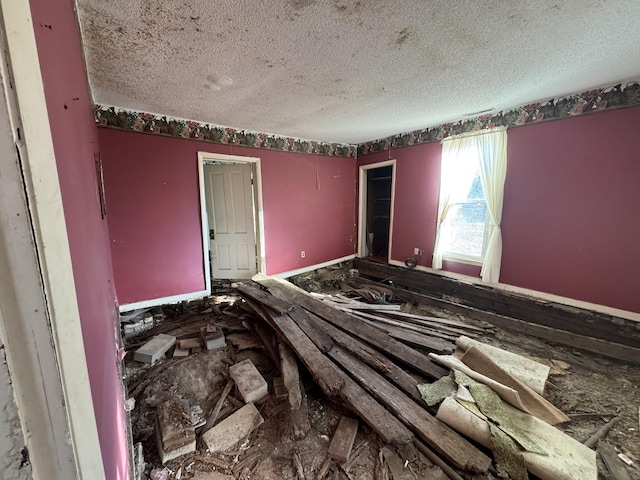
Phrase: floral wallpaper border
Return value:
(591, 101)
(123, 119)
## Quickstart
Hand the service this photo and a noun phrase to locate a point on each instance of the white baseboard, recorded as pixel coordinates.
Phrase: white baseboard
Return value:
(299, 271)
(163, 301)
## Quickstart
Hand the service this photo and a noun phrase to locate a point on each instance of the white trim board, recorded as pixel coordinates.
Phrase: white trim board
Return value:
(549, 297)
(300, 271)
(154, 302)
(362, 200)
(62, 434)
(204, 157)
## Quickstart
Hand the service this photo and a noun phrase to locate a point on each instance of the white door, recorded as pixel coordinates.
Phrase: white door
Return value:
(231, 221)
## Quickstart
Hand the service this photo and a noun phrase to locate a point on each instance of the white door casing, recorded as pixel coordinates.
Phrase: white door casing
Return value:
(231, 223)
(362, 205)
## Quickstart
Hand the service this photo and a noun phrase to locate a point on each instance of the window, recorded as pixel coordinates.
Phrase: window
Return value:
(472, 176)
(465, 225)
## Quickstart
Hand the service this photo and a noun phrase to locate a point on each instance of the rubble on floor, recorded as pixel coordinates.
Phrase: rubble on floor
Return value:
(326, 385)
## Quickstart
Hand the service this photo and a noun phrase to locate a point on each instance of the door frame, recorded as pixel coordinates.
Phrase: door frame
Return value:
(362, 204)
(258, 212)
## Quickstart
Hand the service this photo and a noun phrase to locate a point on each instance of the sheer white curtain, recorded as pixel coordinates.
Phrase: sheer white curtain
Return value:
(489, 149)
(455, 181)
(492, 151)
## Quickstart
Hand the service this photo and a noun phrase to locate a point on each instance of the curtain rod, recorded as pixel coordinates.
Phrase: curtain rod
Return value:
(476, 133)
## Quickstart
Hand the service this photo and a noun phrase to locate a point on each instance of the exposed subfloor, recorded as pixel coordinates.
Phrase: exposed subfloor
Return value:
(588, 388)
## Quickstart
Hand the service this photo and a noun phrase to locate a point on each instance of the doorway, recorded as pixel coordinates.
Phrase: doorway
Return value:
(231, 223)
(377, 190)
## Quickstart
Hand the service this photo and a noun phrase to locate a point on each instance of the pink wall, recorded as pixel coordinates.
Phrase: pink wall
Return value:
(570, 219)
(416, 202)
(151, 186)
(570, 210)
(75, 141)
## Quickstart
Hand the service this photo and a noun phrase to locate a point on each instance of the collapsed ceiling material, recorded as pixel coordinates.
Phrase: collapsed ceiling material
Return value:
(351, 71)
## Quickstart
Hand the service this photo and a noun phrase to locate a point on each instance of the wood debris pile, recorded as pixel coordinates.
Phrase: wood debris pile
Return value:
(425, 387)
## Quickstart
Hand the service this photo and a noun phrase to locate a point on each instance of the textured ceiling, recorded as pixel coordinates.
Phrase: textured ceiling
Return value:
(351, 71)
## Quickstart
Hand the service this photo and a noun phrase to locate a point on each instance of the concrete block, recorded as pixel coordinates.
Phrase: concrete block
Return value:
(233, 429)
(175, 435)
(251, 385)
(213, 337)
(343, 439)
(154, 349)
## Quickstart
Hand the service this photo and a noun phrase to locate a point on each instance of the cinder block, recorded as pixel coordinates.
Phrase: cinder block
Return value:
(175, 435)
(233, 429)
(153, 350)
(213, 337)
(251, 385)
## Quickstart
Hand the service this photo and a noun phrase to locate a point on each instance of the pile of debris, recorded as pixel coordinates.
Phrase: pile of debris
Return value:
(390, 368)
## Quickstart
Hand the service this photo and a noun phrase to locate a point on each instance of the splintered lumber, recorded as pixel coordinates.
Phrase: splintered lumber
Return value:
(213, 416)
(300, 417)
(409, 335)
(323, 371)
(614, 464)
(277, 305)
(343, 439)
(555, 335)
(577, 320)
(436, 434)
(290, 375)
(317, 331)
(355, 326)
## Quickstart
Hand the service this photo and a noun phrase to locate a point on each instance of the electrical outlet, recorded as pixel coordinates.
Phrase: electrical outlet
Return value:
(418, 251)
(303, 254)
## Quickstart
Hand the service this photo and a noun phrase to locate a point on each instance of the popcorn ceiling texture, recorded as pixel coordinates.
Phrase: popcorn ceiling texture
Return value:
(345, 71)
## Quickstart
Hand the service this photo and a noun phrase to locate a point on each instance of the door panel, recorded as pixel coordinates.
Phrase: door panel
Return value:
(231, 221)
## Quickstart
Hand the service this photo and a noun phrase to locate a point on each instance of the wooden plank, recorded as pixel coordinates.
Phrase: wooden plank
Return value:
(318, 331)
(485, 297)
(276, 304)
(325, 373)
(554, 335)
(290, 375)
(610, 458)
(343, 439)
(381, 421)
(441, 438)
(376, 337)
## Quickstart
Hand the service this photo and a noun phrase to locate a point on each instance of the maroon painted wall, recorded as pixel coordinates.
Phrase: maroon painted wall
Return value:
(570, 223)
(75, 142)
(570, 217)
(152, 191)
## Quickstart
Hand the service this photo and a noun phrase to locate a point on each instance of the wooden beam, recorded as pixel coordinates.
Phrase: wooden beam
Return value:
(440, 437)
(485, 297)
(595, 345)
(355, 326)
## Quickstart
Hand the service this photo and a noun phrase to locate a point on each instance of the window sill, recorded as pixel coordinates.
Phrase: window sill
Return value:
(460, 259)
